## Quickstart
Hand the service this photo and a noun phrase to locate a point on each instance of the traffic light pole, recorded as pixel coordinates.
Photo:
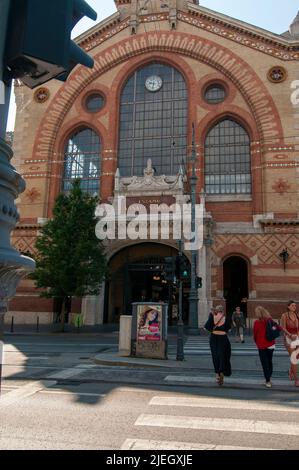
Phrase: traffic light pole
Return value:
(180, 335)
(193, 296)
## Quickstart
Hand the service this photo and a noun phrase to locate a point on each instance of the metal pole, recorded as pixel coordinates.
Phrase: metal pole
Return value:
(180, 336)
(193, 296)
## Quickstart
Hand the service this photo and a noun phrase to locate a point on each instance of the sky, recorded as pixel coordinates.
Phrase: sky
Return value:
(273, 15)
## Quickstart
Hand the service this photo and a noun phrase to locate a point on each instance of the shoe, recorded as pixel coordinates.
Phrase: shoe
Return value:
(268, 385)
(221, 379)
(243, 341)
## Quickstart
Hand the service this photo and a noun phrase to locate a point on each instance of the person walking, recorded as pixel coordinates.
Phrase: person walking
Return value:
(218, 325)
(239, 323)
(265, 346)
(290, 323)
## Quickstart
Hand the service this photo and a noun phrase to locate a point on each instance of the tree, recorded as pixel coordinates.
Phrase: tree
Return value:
(71, 261)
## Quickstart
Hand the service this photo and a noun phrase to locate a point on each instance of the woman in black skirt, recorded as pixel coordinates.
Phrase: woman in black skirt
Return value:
(218, 325)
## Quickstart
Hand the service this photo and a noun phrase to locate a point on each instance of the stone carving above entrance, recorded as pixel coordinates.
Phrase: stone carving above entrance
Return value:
(149, 184)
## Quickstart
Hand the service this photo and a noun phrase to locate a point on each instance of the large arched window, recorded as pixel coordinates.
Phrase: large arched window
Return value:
(82, 161)
(153, 121)
(227, 159)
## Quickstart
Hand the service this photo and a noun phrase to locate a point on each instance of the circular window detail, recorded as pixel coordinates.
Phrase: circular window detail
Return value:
(42, 95)
(215, 94)
(277, 74)
(94, 103)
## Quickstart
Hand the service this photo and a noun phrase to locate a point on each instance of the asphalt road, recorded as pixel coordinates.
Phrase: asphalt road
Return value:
(55, 397)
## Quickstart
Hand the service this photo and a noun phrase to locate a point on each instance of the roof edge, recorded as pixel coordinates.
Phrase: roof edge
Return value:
(256, 30)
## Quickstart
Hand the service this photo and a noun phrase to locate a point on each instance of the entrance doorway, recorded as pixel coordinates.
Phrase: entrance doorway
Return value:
(137, 274)
(235, 284)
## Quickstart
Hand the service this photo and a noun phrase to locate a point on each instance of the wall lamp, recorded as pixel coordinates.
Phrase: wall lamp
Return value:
(284, 255)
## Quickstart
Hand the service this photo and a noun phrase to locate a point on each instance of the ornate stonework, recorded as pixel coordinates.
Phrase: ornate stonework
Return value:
(281, 186)
(33, 194)
(149, 184)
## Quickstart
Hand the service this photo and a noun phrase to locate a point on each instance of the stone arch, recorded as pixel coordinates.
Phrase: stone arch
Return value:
(220, 58)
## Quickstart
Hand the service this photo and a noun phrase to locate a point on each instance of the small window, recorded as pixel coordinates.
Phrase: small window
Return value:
(215, 94)
(94, 103)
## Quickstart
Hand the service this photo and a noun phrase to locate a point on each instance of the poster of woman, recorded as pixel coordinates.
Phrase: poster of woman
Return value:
(149, 321)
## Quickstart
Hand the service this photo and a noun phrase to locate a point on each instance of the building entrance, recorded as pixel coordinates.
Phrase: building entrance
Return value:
(235, 284)
(137, 274)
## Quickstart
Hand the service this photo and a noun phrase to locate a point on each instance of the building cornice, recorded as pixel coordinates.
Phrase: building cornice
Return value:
(279, 222)
(242, 26)
(205, 19)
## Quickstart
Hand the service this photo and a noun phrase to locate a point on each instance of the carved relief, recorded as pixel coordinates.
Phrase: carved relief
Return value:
(281, 186)
(33, 194)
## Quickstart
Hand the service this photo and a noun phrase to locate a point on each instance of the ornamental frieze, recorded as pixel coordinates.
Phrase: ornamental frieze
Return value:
(258, 43)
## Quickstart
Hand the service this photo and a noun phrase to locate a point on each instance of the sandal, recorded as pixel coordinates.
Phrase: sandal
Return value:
(296, 383)
(221, 379)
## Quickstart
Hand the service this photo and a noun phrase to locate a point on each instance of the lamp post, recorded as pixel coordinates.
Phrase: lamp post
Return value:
(193, 296)
(180, 334)
(13, 266)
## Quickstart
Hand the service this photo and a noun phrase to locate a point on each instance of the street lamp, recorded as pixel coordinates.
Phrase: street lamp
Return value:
(180, 325)
(193, 296)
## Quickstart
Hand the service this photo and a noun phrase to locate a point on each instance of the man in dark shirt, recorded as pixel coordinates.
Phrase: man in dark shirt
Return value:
(239, 323)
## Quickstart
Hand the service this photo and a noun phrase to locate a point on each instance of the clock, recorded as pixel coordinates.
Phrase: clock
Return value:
(153, 83)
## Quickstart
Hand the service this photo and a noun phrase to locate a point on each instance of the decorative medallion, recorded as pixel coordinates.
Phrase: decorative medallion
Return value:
(33, 194)
(281, 186)
(42, 95)
(277, 74)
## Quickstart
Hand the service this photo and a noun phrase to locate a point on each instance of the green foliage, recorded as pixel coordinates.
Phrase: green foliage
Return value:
(71, 261)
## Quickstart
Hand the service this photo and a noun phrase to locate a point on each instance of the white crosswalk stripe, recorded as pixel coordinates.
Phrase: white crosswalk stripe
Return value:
(219, 424)
(261, 428)
(199, 345)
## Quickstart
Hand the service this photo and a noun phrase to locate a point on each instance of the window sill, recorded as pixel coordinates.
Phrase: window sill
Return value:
(229, 198)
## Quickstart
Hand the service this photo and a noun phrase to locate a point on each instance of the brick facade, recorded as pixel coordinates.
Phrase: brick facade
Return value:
(206, 48)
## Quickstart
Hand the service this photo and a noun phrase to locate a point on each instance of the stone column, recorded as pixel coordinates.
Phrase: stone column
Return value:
(93, 308)
(204, 271)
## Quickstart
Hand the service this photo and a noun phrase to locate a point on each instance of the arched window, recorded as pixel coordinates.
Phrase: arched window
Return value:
(153, 121)
(82, 161)
(227, 159)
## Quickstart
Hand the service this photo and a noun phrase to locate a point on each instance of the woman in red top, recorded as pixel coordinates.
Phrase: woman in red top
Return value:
(265, 347)
(290, 323)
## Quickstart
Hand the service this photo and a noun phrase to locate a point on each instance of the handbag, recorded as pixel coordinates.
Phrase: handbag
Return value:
(272, 330)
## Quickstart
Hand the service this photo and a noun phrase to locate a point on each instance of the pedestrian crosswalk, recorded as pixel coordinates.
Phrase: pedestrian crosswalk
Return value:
(215, 424)
(199, 345)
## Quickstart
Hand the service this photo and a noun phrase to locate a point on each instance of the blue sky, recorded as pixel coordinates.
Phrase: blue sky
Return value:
(273, 15)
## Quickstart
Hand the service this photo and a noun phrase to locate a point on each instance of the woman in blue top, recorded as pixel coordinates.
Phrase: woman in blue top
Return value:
(218, 325)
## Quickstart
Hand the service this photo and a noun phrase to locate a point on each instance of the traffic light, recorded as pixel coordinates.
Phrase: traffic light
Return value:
(183, 271)
(169, 269)
(198, 282)
(38, 45)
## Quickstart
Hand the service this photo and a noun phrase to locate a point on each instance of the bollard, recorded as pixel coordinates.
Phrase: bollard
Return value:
(12, 325)
(37, 325)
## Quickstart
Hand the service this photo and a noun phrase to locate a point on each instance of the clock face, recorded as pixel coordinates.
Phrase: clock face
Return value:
(154, 83)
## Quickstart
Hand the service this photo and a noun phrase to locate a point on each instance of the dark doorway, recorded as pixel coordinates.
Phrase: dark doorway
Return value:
(137, 274)
(235, 284)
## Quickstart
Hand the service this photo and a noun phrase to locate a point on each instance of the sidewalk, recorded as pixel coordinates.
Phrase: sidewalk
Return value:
(198, 370)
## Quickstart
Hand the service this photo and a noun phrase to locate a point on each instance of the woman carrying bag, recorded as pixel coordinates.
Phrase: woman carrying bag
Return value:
(218, 325)
(265, 332)
(290, 323)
